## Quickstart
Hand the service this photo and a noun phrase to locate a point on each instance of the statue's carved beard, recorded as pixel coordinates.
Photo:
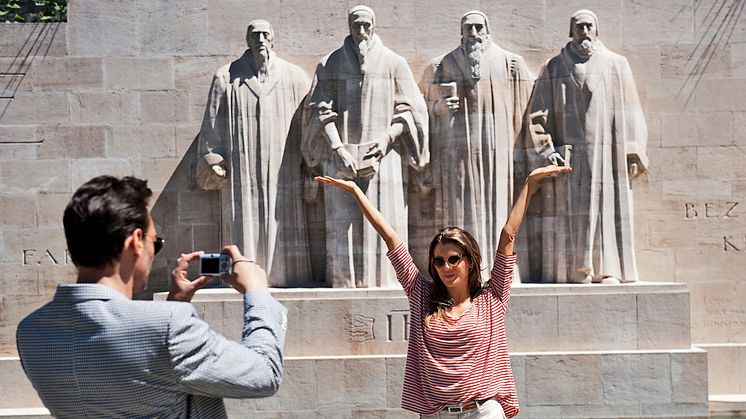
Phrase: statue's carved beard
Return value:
(474, 47)
(261, 58)
(362, 53)
(586, 48)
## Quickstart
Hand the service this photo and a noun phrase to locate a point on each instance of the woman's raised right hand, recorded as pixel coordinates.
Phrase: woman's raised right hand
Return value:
(345, 185)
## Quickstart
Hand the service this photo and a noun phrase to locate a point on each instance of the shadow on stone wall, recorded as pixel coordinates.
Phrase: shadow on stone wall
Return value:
(187, 217)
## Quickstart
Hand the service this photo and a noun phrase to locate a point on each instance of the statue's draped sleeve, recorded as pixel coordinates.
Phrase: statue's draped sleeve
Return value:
(630, 117)
(411, 110)
(213, 133)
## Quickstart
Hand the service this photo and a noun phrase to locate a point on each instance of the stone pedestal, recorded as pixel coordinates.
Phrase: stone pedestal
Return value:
(578, 351)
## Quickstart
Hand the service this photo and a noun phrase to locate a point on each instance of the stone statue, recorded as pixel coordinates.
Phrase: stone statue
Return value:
(476, 96)
(364, 120)
(585, 104)
(250, 143)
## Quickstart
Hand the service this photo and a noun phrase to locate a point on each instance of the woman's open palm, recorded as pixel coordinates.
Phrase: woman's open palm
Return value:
(345, 185)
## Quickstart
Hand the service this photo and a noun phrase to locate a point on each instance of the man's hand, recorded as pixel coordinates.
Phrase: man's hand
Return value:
(181, 288)
(247, 275)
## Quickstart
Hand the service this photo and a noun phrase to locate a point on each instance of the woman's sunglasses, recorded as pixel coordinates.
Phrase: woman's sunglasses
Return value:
(440, 261)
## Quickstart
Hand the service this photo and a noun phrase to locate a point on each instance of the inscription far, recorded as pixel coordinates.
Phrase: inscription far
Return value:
(45, 256)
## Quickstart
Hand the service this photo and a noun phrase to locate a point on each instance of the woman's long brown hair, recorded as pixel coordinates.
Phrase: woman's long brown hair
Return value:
(439, 298)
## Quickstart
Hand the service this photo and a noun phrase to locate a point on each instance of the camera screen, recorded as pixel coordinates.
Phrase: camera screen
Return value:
(210, 265)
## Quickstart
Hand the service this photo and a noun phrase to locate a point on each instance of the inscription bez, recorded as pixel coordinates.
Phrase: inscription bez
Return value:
(717, 210)
(708, 210)
(45, 256)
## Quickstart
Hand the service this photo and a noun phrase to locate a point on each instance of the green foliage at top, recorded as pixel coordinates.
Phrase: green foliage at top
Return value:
(33, 11)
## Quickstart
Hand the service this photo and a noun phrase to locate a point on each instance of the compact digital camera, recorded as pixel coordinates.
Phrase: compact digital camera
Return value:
(215, 264)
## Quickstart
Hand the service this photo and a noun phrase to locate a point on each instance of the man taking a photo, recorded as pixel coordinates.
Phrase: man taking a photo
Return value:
(94, 352)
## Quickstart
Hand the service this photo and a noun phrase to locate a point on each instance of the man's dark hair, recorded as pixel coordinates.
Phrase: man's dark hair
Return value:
(100, 216)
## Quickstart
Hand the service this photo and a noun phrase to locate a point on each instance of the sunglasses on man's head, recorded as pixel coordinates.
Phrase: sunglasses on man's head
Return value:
(440, 261)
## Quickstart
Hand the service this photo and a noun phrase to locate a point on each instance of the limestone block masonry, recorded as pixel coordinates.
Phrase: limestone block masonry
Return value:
(345, 353)
(581, 351)
(121, 89)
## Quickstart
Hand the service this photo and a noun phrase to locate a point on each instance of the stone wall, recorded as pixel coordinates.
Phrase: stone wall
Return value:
(121, 87)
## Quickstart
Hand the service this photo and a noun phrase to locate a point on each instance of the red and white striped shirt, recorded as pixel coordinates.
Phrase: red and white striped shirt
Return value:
(462, 359)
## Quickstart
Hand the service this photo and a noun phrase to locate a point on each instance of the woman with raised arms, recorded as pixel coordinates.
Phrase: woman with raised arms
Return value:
(457, 359)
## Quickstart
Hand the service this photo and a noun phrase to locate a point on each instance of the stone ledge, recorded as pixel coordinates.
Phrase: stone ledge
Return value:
(726, 363)
(727, 405)
(25, 413)
(618, 384)
(229, 294)
(645, 316)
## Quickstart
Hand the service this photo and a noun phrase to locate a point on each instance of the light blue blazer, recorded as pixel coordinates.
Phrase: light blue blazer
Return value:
(92, 352)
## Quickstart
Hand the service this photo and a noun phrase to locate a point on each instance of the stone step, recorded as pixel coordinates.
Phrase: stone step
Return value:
(25, 413)
(727, 406)
(587, 384)
(15, 389)
(541, 317)
(618, 384)
(726, 364)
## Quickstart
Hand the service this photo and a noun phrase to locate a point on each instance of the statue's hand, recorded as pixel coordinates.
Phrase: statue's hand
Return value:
(379, 148)
(556, 159)
(348, 160)
(447, 106)
(211, 172)
(635, 166)
(218, 170)
(633, 170)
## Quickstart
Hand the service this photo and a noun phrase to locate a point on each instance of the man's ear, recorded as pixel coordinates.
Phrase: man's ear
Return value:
(135, 241)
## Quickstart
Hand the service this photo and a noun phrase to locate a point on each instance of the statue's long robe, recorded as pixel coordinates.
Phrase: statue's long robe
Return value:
(255, 127)
(472, 149)
(586, 216)
(364, 106)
